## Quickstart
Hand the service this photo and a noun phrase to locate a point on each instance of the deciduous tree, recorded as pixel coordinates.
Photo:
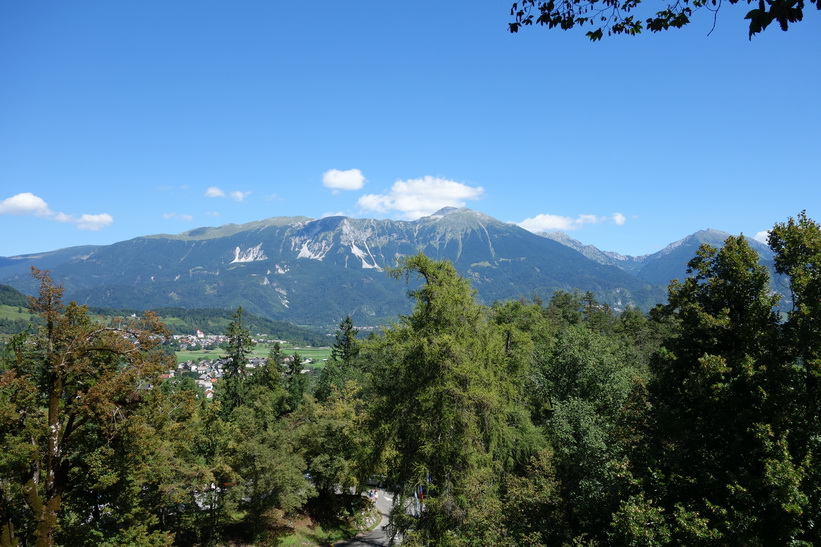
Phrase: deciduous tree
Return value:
(720, 413)
(625, 16)
(71, 378)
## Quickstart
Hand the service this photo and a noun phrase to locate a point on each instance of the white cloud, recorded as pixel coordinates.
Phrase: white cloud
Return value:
(177, 216)
(547, 223)
(25, 204)
(420, 197)
(94, 222)
(374, 202)
(212, 213)
(85, 222)
(236, 195)
(62, 217)
(30, 205)
(352, 179)
(762, 236)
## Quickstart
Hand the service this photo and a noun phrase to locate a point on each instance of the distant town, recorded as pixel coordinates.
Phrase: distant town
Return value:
(206, 372)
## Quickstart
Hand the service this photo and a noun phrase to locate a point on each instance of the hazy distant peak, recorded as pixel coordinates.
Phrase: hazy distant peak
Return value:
(448, 211)
(562, 237)
(709, 236)
(444, 211)
(212, 232)
(590, 251)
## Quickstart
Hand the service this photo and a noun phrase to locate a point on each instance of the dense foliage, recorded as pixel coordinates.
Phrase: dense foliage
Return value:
(523, 423)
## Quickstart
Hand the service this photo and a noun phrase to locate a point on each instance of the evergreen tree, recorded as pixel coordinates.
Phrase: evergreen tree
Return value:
(343, 355)
(268, 463)
(444, 408)
(235, 378)
(296, 383)
(334, 440)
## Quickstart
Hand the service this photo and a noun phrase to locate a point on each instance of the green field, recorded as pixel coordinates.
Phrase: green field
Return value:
(315, 354)
(11, 312)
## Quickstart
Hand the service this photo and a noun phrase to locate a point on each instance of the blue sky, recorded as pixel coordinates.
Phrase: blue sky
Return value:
(122, 119)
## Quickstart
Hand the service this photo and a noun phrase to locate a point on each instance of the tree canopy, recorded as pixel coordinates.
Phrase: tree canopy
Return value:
(612, 17)
(523, 423)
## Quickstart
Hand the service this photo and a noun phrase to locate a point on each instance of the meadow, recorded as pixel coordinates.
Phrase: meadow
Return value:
(315, 354)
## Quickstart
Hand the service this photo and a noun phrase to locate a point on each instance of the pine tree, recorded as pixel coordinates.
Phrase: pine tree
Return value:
(341, 366)
(235, 377)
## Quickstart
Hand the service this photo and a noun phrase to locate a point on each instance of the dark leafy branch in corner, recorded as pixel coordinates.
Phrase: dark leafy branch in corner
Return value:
(619, 17)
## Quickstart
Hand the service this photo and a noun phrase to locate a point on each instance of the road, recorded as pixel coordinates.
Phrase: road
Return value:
(377, 535)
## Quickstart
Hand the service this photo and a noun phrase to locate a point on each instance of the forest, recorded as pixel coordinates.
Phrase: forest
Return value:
(560, 422)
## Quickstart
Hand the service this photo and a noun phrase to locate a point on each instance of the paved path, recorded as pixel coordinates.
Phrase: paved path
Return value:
(377, 535)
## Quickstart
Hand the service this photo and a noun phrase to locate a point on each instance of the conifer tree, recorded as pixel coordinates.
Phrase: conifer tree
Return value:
(443, 402)
(235, 376)
(343, 354)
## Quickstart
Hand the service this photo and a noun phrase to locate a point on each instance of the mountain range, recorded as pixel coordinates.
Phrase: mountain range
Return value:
(317, 271)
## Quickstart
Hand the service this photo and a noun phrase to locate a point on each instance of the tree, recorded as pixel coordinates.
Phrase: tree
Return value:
(720, 394)
(334, 440)
(296, 383)
(582, 387)
(72, 383)
(797, 247)
(618, 17)
(444, 410)
(269, 467)
(343, 354)
(136, 481)
(234, 381)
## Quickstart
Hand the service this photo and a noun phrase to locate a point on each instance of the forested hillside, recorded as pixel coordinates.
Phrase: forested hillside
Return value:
(15, 318)
(317, 271)
(527, 422)
(216, 321)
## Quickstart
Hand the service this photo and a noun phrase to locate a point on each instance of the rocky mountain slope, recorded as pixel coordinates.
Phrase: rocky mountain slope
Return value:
(317, 271)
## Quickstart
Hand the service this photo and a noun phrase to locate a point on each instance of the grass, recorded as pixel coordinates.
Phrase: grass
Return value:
(10, 312)
(311, 536)
(332, 528)
(319, 525)
(315, 354)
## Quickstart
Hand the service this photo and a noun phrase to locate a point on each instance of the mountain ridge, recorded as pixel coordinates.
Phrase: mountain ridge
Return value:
(317, 271)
